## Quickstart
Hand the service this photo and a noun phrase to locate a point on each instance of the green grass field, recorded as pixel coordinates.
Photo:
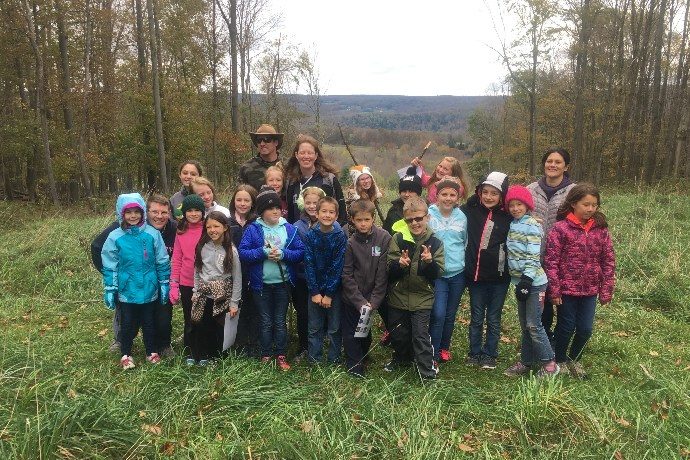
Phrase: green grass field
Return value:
(63, 395)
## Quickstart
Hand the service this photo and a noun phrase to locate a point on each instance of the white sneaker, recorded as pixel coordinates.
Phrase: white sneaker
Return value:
(126, 362)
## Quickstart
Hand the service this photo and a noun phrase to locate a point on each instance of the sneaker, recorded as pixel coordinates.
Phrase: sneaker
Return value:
(299, 357)
(392, 366)
(190, 361)
(488, 363)
(434, 367)
(282, 363)
(126, 362)
(385, 339)
(444, 356)
(576, 370)
(265, 359)
(517, 370)
(550, 369)
(114, 347)
(472, 360)
(203, 362)
(153, 358)
(167, 352)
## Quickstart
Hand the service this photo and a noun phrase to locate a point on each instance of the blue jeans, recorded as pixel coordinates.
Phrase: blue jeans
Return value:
(486, 302)
(272, 304)
(574, 316)
(324, 321)
(134, 315)
(535, 346)
(447, 294)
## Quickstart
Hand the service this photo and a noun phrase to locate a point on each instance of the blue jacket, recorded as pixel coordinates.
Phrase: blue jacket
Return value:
(324, 256)
(452, 231)
(253, 255)
(135, 260)
(524, 247)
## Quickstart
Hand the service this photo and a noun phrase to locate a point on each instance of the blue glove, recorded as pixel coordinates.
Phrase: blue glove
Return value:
(109, 297)
(165, 293)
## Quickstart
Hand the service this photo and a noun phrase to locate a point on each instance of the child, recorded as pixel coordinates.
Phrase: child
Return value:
(415, 260)
(217, 290)
(308, 203)
(524, 247)
(447, 167)
(323, 265)
(363, 185)
(364, 279)
(449, 224)
(410, 185)
(272, 249)
(242, 213)
(275, 178)
(189, 232)
(580, 265)
(204, 188)
(486, 266)
(136, 269)
(189, 169)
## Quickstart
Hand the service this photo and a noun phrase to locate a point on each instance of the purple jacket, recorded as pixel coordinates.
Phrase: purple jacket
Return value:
(580, 263)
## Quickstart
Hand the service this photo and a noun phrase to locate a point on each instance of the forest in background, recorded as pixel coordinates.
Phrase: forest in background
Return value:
(99, 96)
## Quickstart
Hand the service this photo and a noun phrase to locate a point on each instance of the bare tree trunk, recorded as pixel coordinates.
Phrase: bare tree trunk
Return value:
(41, 113)
(233, 56)
(679, 100)
(214, 101)
(157, 99)
(83, 133)
(580, 73)
(65, 81)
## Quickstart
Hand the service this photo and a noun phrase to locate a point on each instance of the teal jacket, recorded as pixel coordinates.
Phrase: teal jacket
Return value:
(135, 260)
(524, 247)
(452, 231)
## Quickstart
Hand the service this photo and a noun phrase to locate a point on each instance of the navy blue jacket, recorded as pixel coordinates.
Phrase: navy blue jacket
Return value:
(324, 256)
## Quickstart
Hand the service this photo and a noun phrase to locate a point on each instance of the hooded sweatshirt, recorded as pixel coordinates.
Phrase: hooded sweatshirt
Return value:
(323, 260)
(135, 260)
(452, 230)
(184, 254)
(365, 270)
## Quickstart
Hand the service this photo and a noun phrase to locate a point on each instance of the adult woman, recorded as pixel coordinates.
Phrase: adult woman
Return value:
(306, 168)
(189, 169)
(548, 193)
(204, 188)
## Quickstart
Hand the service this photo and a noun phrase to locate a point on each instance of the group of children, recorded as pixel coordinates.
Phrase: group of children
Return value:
(235, 270)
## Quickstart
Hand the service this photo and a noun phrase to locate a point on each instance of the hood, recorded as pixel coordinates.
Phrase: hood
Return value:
(261, 222)
(496, 179)
(129, 200)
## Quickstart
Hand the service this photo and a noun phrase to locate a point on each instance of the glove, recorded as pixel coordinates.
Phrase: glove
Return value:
(174, 295)
(165, 293)
(109, 297)
(522, 288)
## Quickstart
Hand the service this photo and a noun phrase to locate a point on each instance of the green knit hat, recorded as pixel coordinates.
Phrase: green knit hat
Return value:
(192, 201)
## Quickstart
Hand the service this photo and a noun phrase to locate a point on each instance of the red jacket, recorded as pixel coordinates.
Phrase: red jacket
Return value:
(579, 262)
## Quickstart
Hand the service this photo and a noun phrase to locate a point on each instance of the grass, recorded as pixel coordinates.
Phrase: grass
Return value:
(63, 395)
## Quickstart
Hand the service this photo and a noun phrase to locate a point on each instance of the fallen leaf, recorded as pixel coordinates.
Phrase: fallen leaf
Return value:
(219, 437)
(685, 453)
(620, 334)
(465, 448)
(153, 429)
(424, 434)
(467, 437)
(142, 413)
(71, 394)
(69, 273)
(102, 332)
(618, 455)
(168, 448)
(402, 440)
(678, 362)
(620, 420)
(68, 360)
(65, 453)
(506, 339)
(307, 426)
(355, 418)
(654, 353)
(615, 370)
(687, 368)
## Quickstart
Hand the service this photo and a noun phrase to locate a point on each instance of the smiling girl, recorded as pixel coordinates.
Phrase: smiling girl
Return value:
(447, 167)
(204, 188)
(189, 169)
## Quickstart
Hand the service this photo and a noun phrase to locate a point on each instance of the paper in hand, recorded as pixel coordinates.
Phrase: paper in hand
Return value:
(364, 324)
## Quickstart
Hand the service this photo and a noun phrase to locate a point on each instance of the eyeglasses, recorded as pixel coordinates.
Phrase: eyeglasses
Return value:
(415, 219)
(265, 140)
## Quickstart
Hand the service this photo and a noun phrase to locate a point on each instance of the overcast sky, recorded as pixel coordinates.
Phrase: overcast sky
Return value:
(416, 48)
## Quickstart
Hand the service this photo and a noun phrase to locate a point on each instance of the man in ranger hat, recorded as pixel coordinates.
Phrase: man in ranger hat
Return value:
(268, 141)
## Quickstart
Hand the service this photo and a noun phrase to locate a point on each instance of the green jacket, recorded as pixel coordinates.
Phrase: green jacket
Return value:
(412, 288)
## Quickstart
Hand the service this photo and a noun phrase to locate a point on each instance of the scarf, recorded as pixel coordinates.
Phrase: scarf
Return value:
(551, 191)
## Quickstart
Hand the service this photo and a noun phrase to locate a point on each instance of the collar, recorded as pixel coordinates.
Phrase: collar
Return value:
(586, 226)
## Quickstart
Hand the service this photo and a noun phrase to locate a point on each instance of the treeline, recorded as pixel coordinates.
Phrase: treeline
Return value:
(615, 93)
(110, 95)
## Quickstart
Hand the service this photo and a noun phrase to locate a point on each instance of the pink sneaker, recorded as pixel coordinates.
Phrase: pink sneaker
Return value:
(126, 362)
(444, 356)
(282, 363)
(153, 358)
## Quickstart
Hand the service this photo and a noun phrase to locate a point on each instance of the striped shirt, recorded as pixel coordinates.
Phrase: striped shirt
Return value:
(524, 243)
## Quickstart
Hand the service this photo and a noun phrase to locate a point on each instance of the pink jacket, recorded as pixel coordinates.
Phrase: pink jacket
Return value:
(184, 253)
(580, 263)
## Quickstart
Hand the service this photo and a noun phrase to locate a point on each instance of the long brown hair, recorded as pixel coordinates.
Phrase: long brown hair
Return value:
(226, 243)
(251, 215)
(323, 166)
(455, 171)
(576, 194)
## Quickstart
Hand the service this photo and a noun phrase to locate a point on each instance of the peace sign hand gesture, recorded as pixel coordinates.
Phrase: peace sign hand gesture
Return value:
(426, 254)
(404, 258)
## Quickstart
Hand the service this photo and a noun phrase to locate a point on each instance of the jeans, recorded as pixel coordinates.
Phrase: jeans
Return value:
(162, 316)
(324, 321)
(300, 296)
(486, 302)
(535, 347)
(134, 315)
(447, 294)
(272, 304)
(547, 318)
(575, 316)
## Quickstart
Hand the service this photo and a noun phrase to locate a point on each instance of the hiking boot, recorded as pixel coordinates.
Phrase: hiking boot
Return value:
(472, 360)
(153, 358)
(444, 356)
(488, 363)
(126, 362)
(167, 352)
(392, 366)
(550, 369)
(385, 339)
(517, 370)
(576, 370)
(114, 347)
(434, 367)
(282, 363)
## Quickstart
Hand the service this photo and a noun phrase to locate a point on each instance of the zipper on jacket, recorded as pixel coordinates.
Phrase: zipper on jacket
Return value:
(481, 238)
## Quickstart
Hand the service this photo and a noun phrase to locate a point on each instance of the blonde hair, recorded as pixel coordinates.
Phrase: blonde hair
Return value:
(200, 180)
(309, 191)
(274, 168)
(456, 171)
(415, 204)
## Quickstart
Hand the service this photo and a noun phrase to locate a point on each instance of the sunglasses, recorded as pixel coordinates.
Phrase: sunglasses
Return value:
(265, 140)
(415, 219)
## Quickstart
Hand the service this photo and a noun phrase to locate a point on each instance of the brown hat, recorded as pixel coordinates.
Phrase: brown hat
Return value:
(266, 131)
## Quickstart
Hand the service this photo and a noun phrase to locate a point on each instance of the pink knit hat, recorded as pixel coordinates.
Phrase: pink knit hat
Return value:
(520, 193)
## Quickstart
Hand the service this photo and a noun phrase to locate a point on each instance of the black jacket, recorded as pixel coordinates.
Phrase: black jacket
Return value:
(395, 213)
(329, 185)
